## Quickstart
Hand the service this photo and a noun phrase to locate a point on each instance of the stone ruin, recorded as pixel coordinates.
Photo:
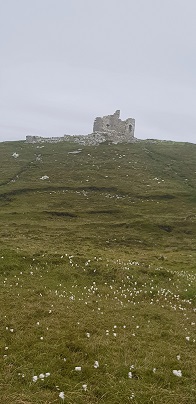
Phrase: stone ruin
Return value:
(109, 128)
(112, 126)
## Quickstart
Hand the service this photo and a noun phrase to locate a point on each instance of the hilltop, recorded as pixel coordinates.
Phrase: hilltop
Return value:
(109, 128)
(98, 272)
(135, 189)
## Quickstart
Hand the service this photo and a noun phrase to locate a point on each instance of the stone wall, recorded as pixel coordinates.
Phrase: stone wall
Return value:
(40, 139)
(109, 129)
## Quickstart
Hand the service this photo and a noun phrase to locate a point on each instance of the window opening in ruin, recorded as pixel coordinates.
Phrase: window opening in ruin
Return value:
(107, 125)
(130, 128)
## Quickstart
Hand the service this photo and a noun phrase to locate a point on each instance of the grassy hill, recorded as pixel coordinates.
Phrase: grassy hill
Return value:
(97, 263)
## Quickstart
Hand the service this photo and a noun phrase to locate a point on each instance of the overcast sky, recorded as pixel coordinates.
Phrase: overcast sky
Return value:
(64, 62)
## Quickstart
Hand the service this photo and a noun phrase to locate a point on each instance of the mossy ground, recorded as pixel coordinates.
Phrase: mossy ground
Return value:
(97, 263)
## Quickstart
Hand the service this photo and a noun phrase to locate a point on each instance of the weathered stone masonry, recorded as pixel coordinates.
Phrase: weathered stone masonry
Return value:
(115, 128)
(109, 128)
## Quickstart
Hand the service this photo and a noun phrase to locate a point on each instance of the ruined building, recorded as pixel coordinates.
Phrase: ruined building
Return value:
(114, 127)
(109, 128)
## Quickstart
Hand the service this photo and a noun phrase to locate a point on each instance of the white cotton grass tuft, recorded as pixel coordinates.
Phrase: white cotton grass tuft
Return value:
(132, 396)
(84, 386)
(130, 375)
(177, 373)
(96, 364)
(78, 368)
(178, 357)
(62, 395)
(44, 177)
(41, 376)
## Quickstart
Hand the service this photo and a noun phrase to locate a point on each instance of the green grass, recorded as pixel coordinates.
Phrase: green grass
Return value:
(97, 263)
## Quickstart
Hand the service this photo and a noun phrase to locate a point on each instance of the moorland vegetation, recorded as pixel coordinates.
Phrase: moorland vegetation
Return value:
(97, 273)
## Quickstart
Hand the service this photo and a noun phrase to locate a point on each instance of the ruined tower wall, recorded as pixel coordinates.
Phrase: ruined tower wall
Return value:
(113, 124)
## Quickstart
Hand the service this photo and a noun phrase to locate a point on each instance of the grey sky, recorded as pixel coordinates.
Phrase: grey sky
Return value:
(64, 62)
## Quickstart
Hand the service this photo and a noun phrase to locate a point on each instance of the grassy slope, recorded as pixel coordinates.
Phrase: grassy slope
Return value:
(107, 240)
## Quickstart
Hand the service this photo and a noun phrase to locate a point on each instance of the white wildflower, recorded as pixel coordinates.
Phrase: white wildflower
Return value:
(35, 378)
(178, 357)
(84, 386)
(130, 375)
(41, 376)
(96, 364)
(78, 368)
